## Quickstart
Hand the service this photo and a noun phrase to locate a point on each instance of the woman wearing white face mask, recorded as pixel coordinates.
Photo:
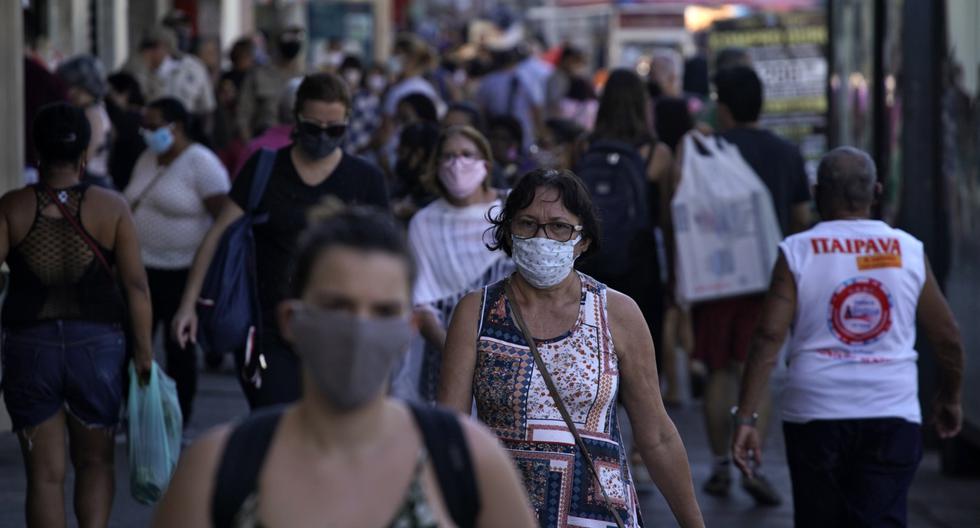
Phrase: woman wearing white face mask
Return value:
(448, 238)
(346, 454)
(551, 398)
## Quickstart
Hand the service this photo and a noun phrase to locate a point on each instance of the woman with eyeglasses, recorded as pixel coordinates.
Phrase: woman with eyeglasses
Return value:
(312, 167)
(595, 350)
(175, 192)
(347, 454)
(447, 238)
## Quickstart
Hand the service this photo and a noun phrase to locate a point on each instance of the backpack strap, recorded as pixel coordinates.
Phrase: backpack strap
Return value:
(446, 444)
(260, 179)
(241, 462)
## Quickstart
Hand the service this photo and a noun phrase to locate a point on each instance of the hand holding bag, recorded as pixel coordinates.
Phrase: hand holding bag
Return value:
(155, 429)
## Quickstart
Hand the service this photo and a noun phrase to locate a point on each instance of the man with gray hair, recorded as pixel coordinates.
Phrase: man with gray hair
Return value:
(852, 289)
(163, 71)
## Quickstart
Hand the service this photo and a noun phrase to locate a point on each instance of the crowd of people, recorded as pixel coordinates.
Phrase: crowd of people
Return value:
(481, 229)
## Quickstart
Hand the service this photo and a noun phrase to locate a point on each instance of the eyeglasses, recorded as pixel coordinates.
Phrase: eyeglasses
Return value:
(334, 130)
(558, 231)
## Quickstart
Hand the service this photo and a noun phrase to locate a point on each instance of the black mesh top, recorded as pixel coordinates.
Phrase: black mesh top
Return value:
(55, 275)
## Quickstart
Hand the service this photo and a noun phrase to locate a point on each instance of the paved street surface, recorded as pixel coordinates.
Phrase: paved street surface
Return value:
(936, 501)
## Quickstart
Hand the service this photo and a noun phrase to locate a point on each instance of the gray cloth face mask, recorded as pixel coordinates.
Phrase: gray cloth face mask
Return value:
(349, 358)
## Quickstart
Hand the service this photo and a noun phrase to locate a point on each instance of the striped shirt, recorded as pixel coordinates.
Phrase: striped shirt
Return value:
(450, 245)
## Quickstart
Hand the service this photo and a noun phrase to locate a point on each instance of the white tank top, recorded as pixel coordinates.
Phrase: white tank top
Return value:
(852, 351)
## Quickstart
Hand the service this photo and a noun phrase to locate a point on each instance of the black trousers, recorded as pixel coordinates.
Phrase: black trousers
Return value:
(853, 473)
(166, 289)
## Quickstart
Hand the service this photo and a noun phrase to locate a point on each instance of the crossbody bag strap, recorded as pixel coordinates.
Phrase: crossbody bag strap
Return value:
(516, 313)
(146, 190)
(78, 229)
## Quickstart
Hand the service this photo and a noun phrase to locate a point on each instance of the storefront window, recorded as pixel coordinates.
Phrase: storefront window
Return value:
(961, 173)
(852, 27)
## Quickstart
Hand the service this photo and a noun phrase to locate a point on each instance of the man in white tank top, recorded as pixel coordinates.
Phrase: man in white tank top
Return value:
(852, 290)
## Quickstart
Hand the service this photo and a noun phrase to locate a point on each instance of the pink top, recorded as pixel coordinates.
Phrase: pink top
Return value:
(274, 138)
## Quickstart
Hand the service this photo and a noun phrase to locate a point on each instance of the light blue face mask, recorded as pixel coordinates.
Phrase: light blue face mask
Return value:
(159, 140)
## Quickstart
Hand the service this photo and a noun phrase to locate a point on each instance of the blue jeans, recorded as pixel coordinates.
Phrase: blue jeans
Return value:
(852, 473)
(73, 364)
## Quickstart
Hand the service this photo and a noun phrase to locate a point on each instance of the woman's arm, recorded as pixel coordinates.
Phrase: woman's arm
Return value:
(430, 328)
(185, 321)
(215, 204)
(133, 277)
(459, 356)
(660, 163)
(655, 436)
(187, 502)
(503, 501)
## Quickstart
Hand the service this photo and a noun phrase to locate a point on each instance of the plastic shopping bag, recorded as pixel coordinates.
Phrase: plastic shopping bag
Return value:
(725, 223)
(155, 429)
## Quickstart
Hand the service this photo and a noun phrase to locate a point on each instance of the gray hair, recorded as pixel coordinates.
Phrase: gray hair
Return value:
(846, 179)
(85, 72)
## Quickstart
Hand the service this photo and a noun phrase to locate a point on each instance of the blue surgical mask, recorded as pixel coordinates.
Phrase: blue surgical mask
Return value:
(159, 140)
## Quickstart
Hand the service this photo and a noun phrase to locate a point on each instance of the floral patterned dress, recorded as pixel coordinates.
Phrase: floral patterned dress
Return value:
(513, 400)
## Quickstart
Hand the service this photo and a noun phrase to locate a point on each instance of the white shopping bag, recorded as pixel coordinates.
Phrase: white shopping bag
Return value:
(725, 224)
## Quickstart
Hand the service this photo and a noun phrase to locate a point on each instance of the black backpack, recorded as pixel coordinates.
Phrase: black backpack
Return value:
(615, 174)
(244, 454)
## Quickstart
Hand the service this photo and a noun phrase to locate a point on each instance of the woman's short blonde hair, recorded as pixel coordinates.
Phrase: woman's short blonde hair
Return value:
(431, 176)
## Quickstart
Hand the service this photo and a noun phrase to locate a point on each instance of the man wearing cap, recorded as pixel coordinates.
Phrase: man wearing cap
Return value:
(259, 98)
(166, 72)
(853, 290)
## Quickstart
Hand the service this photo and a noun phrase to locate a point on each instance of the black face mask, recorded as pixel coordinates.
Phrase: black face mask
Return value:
(289, 49)
(318, 143)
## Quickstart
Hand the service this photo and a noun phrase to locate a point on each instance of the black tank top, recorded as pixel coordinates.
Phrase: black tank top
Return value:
(55, 275)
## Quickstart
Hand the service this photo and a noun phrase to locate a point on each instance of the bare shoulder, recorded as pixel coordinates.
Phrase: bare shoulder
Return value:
(486, 452)
(210, 445)
(16, 200)
(467, 309)
(187, 502)
(479, 439)
(200, 460)
(106, 200)
(663, 152)
(621, 307)
(470, 301)
(629, 328)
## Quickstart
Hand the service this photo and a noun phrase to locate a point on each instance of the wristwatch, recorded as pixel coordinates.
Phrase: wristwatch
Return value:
(741, 420)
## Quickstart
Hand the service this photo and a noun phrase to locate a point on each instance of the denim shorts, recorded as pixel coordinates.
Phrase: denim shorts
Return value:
(77, 365)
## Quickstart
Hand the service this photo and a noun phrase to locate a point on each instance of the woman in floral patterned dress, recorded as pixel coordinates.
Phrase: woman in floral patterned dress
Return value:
(593, 341)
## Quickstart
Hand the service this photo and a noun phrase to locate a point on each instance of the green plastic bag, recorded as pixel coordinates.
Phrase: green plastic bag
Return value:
(155, 428)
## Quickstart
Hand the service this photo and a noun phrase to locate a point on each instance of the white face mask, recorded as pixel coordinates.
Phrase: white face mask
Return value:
(544, 262)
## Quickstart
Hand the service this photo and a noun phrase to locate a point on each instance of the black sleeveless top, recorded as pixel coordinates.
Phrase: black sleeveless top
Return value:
(54, 274)
(236, 480)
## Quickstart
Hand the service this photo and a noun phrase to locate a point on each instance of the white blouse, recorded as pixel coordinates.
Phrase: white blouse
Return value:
(171, 219)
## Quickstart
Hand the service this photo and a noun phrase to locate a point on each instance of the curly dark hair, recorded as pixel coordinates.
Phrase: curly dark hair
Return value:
(572, 193)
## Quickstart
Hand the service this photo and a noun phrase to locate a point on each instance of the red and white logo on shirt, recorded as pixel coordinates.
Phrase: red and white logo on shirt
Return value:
(860, 311)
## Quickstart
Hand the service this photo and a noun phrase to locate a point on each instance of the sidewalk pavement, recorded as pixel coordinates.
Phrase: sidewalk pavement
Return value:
(935, 501)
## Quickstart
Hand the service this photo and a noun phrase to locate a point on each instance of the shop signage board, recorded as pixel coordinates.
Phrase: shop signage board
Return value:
(789, 52)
